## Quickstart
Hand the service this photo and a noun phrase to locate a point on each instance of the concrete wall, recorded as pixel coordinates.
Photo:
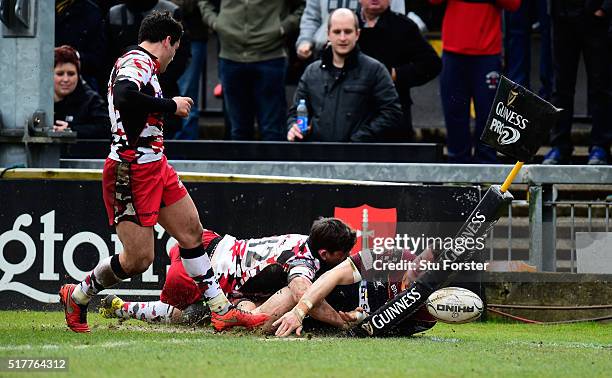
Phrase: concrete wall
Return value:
(26, 78)
(550, 289)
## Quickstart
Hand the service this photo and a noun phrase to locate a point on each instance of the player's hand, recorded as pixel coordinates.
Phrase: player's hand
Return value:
(600, 13)
(295, 134)
(287, 324)
(183, 106)
(352, 318)
(304, 50)
(60, 125)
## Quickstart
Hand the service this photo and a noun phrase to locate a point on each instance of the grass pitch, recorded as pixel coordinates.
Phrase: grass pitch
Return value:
(135, 349)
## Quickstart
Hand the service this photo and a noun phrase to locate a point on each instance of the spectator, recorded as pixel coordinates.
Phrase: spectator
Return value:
(189, 82)
(76, 105)
(471, 62)
(80, 24)
(350, 96)
(253, 61)
(313, 24)
(124, 22)
(581, 27)
(395, 41)
(518, 45)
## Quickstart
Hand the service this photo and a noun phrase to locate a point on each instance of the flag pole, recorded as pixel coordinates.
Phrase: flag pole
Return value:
(515, 170)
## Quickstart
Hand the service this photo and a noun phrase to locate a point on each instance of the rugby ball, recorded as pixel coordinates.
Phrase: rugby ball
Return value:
(454, 305)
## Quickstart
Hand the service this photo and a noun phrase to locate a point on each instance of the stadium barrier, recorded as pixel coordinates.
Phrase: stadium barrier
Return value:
(543, 237)
(53, 225)
(275, 151)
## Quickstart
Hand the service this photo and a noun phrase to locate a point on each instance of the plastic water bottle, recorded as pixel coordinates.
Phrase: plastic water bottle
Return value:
(302, 116)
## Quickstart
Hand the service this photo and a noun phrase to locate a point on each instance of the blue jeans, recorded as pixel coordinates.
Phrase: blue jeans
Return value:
(518, 46)
(253, 90)
(466, 77)
(189, 85)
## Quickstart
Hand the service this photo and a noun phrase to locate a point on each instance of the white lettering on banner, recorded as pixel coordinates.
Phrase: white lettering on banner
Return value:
(507, 134)
(10, 270)
(48, 237)
(16, 234)
(75, 241)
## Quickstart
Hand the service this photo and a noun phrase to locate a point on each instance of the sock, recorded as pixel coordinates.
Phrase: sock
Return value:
(150, 312)
(197, 264)
(106, 274)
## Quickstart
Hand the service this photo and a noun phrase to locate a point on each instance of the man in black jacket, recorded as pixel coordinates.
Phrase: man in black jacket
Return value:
(350, 96)
(395, 41)
(581, 27)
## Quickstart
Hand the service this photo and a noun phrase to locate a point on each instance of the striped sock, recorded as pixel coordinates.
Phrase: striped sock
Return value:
(197, 265)
(150, 312)
(106, 274)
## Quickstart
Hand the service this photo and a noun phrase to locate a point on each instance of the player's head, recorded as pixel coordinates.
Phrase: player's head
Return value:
(162, 28)
(332, 239)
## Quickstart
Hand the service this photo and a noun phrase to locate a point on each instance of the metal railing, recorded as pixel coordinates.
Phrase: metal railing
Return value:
(590, 227)
(568, 217)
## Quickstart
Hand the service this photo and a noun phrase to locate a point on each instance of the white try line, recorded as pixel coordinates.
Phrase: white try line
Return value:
(106, 345)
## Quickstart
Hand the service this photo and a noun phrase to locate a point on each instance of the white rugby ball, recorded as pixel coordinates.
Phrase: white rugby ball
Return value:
(454, 305)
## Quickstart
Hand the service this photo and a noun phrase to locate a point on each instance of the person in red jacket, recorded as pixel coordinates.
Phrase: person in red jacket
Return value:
(471, 62)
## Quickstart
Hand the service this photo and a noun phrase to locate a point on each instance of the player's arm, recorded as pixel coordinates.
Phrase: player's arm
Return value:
(344, 274)
(131, 77)
(323, 311)
(126, 95)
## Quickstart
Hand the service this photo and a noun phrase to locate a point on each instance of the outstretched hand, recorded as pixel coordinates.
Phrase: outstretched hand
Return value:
(287, 324)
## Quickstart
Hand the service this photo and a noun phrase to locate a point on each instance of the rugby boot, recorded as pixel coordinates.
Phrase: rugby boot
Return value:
(237, 318)
(76, 314)
(196, 314)
(110, 305)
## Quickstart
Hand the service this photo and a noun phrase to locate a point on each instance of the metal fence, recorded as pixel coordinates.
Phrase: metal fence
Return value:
(510, 239)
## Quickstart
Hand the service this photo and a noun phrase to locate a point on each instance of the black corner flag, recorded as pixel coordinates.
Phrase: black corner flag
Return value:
(519, 121)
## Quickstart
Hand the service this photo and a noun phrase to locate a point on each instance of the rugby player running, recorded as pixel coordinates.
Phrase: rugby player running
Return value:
(141, 189)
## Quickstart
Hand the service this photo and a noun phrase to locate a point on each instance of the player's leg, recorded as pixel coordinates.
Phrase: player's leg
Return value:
(180, 218)
(135, 258)
(151, 312)
(132, 195)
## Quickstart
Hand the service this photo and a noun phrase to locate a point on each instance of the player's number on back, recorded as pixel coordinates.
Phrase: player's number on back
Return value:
(259, 250)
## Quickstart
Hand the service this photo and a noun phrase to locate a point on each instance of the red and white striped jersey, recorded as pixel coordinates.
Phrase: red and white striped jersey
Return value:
(137, 136)
(236, 261)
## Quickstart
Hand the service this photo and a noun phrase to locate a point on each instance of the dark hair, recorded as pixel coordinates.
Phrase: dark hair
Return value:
(332, 235)
(329, 19)
(67, 54)
(159, 25)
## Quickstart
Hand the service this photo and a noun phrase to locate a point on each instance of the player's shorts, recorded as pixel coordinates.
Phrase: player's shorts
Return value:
(179, 289)
(136, 192)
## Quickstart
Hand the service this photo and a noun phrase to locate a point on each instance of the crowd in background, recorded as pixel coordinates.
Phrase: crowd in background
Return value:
(353, 73)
